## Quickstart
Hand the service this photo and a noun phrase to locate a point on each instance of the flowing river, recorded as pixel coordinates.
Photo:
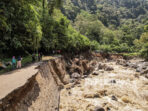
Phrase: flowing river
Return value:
(122, 89)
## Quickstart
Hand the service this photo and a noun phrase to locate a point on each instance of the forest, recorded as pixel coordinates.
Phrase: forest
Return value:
(112, 26)
(31, 25)
(119, 26)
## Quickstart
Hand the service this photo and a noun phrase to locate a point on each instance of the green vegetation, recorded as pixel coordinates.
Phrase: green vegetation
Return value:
(142, 43)
(32, 26)
(117, 25)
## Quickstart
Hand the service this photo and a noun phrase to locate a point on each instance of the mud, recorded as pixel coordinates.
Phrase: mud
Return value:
(121, 89)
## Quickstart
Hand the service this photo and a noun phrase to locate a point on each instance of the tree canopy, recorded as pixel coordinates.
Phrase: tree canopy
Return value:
(30, 25)
(117, 25)
(27, 26)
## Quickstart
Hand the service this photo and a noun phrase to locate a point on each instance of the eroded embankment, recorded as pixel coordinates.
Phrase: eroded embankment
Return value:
(41, 92)
(90, 82)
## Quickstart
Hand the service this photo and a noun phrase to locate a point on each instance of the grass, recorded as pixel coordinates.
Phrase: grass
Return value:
(25, 61)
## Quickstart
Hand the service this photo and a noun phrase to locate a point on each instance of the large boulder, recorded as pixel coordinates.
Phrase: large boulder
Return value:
(95, 73)
(92, 95)
(108, 68)
(142, 66)
(139, 69)
(126, 99)
(102, 66)
(144, 71)
(75, 75)
(132, 65)
(98, 108)
(145, 63)
(113, 81)
(114, 98)
(121, 62)
(75, 68)
(105, 67)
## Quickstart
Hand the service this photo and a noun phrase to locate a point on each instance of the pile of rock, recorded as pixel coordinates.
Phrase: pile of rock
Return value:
(80, 67)
(141, 67)
(122, 62)
(105, 67)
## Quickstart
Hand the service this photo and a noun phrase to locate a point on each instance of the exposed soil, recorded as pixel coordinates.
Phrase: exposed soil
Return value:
(85, 82)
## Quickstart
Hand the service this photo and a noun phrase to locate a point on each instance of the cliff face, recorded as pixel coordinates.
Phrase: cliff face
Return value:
(41, 92)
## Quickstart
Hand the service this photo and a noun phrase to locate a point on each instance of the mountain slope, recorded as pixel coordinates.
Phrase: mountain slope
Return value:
(114, 12)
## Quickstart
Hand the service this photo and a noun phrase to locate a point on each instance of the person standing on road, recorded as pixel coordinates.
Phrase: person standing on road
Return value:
(13, 62)
(19, 64)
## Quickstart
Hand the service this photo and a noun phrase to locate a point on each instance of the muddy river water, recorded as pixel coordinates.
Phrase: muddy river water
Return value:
(122, 89)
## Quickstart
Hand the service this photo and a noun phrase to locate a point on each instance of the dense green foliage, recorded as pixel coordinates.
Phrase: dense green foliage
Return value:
(27, 26)
(142, 43)
(115, 24)
(20, 25)
(109, 12)
(59, 34)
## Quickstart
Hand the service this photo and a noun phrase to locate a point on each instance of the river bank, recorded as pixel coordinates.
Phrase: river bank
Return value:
(85, 82)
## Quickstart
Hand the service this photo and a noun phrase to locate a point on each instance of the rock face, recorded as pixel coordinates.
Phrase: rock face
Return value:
(80, 66)
(41, 92)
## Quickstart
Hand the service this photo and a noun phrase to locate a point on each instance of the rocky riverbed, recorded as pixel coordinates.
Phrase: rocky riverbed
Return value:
(112, 86)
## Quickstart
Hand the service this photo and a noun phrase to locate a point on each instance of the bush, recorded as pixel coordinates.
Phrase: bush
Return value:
(144, 51)
(105, 48)
(121, 48)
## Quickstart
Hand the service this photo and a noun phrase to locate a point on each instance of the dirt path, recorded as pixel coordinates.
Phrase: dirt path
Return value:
(119, 90)
(17, 78)
(12, 80)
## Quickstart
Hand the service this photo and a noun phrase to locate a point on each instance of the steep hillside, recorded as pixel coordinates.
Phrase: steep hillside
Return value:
(113, 12)
(116, 25)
